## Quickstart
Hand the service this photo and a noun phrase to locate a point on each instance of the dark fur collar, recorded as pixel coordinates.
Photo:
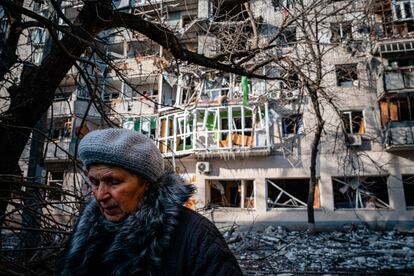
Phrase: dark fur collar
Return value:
(137, 246)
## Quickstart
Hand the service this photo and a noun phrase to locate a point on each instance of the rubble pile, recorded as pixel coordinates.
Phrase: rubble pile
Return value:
(356, 248)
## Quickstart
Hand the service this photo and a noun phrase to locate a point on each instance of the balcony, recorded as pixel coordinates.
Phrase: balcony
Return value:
(216, 131)
(144, 67)
(59, 149)
(391, 46)
(399, 79)
(399, 136)
(142, 106)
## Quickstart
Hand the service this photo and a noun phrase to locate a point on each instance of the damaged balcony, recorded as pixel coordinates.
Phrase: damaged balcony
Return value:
(232, 129)
(397, 118)
(136, 96)
(394, 26)
(399, 136)
(399, 79)
(214, 131)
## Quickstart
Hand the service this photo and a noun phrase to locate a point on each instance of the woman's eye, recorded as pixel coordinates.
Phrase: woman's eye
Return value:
(94, 182)
(115, 182)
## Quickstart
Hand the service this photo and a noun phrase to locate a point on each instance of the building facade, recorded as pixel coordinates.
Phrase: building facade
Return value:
(245, 142)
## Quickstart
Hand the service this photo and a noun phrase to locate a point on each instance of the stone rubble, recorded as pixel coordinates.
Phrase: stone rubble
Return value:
(276, 250)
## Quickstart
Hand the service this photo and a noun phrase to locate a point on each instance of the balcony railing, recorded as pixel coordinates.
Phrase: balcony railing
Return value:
(399, 135)
(394, 46)
(401, 78)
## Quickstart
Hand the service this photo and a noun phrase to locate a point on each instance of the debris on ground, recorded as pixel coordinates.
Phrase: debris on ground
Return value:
(276, 250)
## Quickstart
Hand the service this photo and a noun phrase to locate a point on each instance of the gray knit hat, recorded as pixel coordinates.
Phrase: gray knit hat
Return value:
(124, 148)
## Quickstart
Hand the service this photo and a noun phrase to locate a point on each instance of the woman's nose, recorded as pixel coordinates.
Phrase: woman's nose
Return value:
(101, 192)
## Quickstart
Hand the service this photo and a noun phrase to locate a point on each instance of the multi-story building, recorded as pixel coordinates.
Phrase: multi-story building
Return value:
(246, 143)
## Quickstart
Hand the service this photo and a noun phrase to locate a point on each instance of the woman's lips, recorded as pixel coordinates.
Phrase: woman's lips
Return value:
(111, 211)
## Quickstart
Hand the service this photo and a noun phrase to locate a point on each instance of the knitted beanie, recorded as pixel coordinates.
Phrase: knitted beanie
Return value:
(123, 148)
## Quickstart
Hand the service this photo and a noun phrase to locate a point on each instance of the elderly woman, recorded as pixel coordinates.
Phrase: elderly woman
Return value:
(136, 224)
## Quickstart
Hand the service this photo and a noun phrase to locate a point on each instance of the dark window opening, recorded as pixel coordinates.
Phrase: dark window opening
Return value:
(237, 194)
(290, 193)
(346, 74)
(407, 9)
(292, 124)
(408, 184)
(360, 192)
(61, 129)
(55, 183)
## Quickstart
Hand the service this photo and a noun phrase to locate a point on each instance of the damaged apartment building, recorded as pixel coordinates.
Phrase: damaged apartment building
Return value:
(244, 142)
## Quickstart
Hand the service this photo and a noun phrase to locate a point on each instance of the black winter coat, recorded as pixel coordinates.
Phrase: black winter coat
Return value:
(162, 238)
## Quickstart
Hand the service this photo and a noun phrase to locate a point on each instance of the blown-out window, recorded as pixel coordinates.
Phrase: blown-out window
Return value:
(354, 192)
(346, 75)
(341, 31)
(55, 183)
(144, 125)
(232, 193)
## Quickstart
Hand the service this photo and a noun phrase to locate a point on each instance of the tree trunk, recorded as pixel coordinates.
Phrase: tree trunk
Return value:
(312, 181)
(313, 93)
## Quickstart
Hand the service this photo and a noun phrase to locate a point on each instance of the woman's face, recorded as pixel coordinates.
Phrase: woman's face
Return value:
(117, 191)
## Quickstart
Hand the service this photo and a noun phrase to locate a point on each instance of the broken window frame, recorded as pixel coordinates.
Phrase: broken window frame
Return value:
(223, 85)
(182, 129)
(211, 134)
(180, 86)
(137, 123)
(293, 201)
(359, 186)
(246, 202)
(346, 75)
(350, 121)
(341, 31)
